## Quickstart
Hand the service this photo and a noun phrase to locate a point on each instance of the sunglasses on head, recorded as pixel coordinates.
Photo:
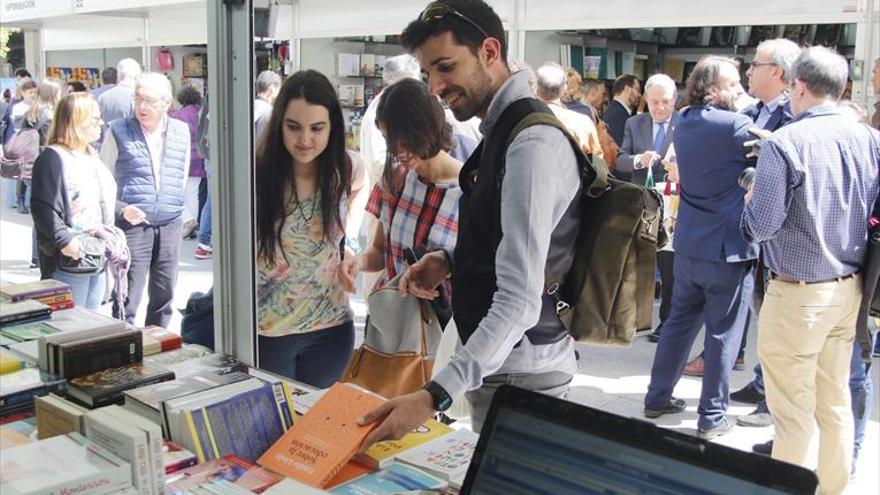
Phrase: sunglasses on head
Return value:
(436, 11)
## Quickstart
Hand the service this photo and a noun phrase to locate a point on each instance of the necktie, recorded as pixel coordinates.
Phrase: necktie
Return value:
(660, 137)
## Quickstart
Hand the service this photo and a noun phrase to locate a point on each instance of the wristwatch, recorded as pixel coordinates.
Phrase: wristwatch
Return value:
(441, 399)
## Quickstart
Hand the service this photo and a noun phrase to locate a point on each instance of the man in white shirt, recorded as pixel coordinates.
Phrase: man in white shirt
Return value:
(268, 85)
(149, 155)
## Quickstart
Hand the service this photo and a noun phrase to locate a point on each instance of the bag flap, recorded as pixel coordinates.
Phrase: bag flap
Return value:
(394, 324)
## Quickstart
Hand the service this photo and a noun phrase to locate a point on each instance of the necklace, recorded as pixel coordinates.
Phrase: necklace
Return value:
(299, 208)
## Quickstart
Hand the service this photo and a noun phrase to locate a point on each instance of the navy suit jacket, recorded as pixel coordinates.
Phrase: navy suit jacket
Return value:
(638, 137)
(781, 116)
(615, 116)
(710, 152)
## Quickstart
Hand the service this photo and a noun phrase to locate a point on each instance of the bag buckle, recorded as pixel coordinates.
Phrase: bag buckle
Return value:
(561, 307)
(553, 289)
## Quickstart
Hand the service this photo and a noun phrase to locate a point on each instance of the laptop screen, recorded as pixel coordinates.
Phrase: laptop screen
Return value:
(530, 452)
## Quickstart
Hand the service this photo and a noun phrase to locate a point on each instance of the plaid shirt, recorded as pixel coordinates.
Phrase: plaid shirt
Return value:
(423, 215)
(815, 188)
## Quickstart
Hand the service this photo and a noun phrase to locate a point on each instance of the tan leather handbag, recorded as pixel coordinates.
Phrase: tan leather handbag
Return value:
(400, 342)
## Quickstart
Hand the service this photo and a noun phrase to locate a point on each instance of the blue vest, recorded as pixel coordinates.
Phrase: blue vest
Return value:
(134, 170)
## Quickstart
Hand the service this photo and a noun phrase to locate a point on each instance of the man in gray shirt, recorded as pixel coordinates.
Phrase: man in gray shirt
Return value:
(118, 102)
(268, 85)
(497, 287)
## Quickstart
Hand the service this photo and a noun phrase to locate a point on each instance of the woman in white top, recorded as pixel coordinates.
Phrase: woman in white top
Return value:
(73, 193)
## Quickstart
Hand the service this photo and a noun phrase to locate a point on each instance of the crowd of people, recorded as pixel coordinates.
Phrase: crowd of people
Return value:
(769, 195)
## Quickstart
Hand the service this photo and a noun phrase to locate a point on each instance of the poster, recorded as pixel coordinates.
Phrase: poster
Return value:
(90, 76)
(592, 64)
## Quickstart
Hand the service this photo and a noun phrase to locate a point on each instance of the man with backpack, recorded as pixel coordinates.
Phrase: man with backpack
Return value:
(529, 190)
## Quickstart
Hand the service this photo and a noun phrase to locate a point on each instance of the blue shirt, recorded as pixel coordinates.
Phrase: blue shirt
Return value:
(815, 188)
(768, 109)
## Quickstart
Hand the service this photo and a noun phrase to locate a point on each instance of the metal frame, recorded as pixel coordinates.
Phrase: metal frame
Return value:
(231, 72)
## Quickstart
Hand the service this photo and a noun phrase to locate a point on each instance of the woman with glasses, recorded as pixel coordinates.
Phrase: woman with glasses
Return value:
(73, 194)
(305, 185)
(416, 201)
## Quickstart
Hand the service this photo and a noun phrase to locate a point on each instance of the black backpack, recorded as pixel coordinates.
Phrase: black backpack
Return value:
(197, 326)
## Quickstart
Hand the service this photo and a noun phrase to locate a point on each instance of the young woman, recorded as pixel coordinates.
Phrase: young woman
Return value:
(305, 181)
(416, 202)
(73, 193)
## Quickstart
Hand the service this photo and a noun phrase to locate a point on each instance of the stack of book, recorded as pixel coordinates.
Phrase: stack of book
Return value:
(12, 313)
(57, 295)
(66, 464)
(106, 387)
(18, 389)
(192, 359)
(133, 439)
(157, 340)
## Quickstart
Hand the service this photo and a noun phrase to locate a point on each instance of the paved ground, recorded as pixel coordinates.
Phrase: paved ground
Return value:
(614, 380)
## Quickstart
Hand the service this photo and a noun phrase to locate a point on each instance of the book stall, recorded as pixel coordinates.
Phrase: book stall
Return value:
(92, 405)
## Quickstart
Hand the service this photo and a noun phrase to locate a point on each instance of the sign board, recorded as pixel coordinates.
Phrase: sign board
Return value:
(12, 11)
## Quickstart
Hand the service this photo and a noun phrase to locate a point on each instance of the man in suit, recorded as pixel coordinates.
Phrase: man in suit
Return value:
(713, 264)
(627, 91)
(647, 136)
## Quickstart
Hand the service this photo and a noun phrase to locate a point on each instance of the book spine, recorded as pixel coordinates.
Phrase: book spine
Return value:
(197, 438)
(281, 401)
(157, 461)
(39, 294)
(131, 449)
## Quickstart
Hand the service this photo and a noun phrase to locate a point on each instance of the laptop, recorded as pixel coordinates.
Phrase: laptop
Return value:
(535, 444)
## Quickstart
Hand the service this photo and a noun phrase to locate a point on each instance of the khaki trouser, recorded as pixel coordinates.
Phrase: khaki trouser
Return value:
(805, 345)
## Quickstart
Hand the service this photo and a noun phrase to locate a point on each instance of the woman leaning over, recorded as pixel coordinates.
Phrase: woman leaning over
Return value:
(416, 202)
(73, 194)
(305, 183)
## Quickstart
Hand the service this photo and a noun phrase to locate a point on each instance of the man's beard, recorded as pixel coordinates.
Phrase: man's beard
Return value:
(473, 99)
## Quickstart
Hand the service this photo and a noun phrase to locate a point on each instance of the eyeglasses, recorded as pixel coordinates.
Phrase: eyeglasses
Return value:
(150, 102)
(436, 11)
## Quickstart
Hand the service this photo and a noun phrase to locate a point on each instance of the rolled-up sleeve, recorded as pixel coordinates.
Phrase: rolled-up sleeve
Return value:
(540, 181)
(764, 215)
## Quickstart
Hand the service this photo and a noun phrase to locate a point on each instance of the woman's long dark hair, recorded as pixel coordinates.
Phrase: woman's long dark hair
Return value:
(414, 120)
(274, 165)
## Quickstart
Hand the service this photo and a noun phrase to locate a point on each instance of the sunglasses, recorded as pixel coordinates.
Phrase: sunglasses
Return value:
(436, 11)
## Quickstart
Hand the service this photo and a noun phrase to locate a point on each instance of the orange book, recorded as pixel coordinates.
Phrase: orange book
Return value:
(325, 439)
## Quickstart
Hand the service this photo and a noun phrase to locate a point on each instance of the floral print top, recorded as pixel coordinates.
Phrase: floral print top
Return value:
(300, 293)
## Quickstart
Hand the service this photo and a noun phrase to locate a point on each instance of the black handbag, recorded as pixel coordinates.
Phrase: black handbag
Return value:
(93, 260)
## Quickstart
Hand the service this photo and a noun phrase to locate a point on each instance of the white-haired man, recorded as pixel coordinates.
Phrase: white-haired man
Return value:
(118, 102)
(816, 185)
(550, 85)
(646, 139)
(149, 155)
(267, 87)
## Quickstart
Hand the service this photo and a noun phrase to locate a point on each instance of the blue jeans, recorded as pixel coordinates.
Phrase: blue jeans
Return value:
(317, 358)
(10, 192)
(862, 389)
(205, 220)
(88, 291)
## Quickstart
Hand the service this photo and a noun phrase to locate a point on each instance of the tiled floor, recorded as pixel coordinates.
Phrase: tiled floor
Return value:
(611, 379)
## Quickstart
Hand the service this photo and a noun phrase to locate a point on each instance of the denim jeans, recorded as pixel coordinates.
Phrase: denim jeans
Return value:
(861, 388)
(317, 358)
(205, 217)
(88, 291)
(10, 192)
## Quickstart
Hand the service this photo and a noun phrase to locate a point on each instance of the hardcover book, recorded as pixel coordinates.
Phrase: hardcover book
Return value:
(106, 387)
(383, 453)
(81, 357)
(326, 438)
(23, 311)
(125, 441)
(33, 290)
(66, 464)
(185, 353)
(154, 440)
(157, 339)
(18, 389)
(215, 363)
(28, 331)
(176, 458)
